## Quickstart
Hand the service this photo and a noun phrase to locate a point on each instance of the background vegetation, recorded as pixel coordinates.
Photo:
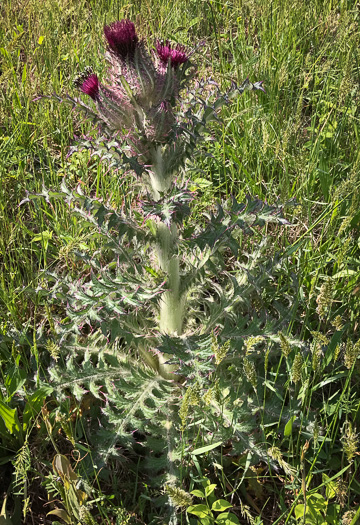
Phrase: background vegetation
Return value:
(299, 141)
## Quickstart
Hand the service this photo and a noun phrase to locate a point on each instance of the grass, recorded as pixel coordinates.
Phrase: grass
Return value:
(297, 142)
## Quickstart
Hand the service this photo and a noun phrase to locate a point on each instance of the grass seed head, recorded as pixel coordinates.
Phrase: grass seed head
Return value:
(250, 373)
(351, 353)
(178, 496)
(297, 368)
(324, 299)
(350, 441)
(284, 344)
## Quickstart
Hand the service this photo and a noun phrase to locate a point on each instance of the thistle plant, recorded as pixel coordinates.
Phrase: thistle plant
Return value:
(169, 295)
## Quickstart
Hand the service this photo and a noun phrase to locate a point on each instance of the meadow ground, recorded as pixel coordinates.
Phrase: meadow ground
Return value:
(298, 141)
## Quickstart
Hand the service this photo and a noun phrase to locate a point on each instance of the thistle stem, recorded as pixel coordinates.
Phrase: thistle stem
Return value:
(172, 302)
(159, 183)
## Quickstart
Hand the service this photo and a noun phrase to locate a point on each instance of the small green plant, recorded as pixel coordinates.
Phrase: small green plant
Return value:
(319, 509)
(73, 499)
(19, 409)
(212, 510)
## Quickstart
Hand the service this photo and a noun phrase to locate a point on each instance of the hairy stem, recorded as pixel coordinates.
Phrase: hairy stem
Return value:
(159, 182)
(172, 302)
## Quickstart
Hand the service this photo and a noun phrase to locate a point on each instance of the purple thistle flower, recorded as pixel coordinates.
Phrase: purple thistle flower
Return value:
(177, 55)
(90, 86)
(122, 38)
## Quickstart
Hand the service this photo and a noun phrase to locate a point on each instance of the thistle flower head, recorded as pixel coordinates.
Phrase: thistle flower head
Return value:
(177, 55)
(122, 38)
(90, 86)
